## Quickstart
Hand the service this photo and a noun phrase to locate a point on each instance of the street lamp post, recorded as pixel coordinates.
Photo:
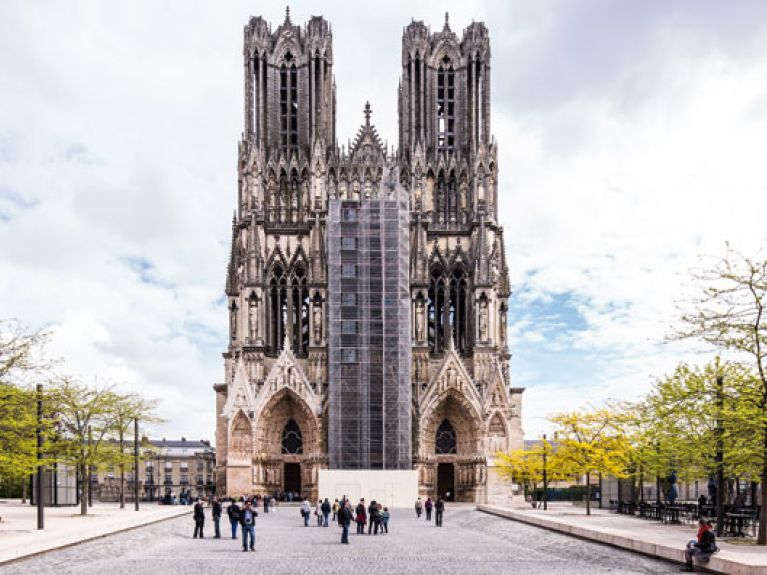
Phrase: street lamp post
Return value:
(39, 491)
(545, 476)
(135, 463)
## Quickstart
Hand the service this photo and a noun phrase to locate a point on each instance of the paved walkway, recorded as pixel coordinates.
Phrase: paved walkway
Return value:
(470, 543)
(645, 536)
(19, 536)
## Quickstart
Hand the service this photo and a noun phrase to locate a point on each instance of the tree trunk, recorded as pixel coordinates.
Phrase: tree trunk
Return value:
(122, 469)
(24, 490)
(84, 496)
(588, 494)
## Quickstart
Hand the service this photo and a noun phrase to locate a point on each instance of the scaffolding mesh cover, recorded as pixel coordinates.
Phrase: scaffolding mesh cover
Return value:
(369, 413)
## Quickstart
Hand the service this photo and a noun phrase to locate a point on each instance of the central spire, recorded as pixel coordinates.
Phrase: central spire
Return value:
(287, 14)
(367, 111)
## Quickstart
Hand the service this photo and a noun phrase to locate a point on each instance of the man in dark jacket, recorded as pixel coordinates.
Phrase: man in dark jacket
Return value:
(428, 506)
(439, 509)
(325, 507)
(372, 515)
(345, 519)
(217, 517)
(248, 521)
(199, 519)
(233, 511)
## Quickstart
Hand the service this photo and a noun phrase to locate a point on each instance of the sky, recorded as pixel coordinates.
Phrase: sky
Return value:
(631, 138)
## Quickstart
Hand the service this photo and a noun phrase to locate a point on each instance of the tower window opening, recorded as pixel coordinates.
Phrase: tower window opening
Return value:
(446, 105)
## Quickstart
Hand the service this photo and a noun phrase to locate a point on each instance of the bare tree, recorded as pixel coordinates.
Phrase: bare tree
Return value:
(730, 313)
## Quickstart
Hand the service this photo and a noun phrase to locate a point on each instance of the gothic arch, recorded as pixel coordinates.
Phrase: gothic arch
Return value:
(464, 420)
(281, 407)
(497, 434)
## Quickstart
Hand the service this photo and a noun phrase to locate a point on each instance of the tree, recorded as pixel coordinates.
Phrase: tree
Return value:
(85, 417)
(591, 441)
(525, 467)
(21, 361)
(729, 313)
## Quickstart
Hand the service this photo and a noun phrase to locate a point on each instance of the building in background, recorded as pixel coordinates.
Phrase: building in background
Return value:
(167, 466)
(275, 423)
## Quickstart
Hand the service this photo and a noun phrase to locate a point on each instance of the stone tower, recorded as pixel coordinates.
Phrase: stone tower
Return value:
(272, 407)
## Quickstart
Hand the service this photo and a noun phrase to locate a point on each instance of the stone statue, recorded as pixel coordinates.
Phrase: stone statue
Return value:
(253, 317)
(420, 321)
(233, 322)
(483, 321)
(317, 322)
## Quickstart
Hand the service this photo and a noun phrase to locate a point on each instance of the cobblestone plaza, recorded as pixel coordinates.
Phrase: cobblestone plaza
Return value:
(469, 543)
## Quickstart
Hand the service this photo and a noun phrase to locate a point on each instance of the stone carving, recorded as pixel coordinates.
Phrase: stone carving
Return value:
(483, 332)
(253, 319)
(420, 321)
(317, 322)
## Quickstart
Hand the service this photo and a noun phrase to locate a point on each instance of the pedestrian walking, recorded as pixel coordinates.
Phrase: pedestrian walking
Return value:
(360, 517)
(318, 512)
(306, 511)
(418, 508)
(325, 508)
(428, 506)
(199, 519)
(217, 517)
(248, 522)
(266, 504)
(233, 511)
(345, 519)
(439, 510)
(335, 509)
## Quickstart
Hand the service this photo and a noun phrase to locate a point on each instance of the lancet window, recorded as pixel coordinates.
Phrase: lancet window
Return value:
(288, 311)
(446, 104)
(448, 311)
(288, 103)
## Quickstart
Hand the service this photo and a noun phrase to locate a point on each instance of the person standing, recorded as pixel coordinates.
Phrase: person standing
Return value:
(248, 522)
(199, 519)
(345, 519)
(318, 512)
(233, 511)
(335, 509)
(266, 503)
(385, 519)
(360, 517)
(372, 516)
(428, 505)
(217, 517)
(439, 509)
(306, 511)
(418, 508)
(325, 512)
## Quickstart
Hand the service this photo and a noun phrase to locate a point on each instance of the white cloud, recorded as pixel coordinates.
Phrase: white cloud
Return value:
(631, 140)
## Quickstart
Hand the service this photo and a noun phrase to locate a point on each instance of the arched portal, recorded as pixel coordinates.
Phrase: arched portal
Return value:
(449, 446)
(289, 443)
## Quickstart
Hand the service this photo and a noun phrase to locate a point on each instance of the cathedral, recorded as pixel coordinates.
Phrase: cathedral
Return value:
(274, 413)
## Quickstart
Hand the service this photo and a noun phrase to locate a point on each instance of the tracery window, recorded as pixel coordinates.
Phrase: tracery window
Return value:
(292, 440)
(445, 442)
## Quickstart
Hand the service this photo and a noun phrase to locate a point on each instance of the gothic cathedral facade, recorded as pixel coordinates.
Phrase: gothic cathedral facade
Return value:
(272, 407)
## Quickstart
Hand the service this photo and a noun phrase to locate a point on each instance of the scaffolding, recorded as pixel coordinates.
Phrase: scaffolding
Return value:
(369, 354)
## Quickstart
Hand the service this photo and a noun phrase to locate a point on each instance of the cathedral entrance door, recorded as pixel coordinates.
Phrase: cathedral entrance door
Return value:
(446, 481)
(292, 475)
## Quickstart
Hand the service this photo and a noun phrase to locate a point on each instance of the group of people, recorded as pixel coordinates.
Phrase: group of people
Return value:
(437, 506)
(243, 514)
